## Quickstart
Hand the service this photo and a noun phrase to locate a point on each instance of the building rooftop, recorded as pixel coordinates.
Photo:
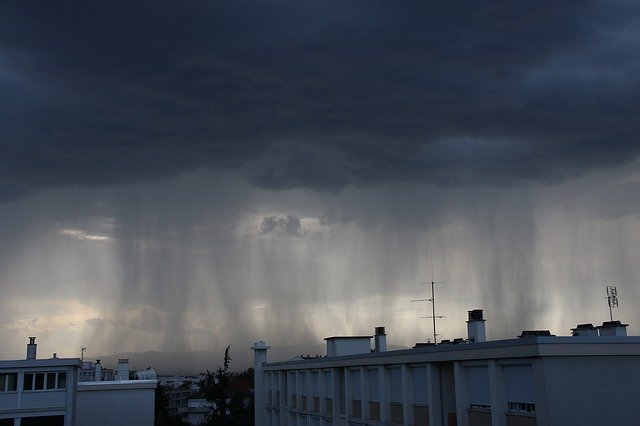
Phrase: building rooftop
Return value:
(348, 337)
(40, 362)
(519, 347)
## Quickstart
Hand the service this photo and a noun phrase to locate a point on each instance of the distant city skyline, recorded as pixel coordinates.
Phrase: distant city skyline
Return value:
(181, 176)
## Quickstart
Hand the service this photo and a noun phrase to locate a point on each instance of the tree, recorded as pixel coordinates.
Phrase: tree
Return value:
(229, 408)
(215, 390)
(162, 416)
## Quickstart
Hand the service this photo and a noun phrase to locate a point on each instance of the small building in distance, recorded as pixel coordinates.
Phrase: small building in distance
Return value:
(536, 379)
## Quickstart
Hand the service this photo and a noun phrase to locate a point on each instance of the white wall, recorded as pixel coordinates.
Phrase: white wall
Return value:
(121, 403)
(348, 346)
(596, 390)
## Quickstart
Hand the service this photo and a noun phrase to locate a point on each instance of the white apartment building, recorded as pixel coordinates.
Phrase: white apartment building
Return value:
(47, 392)
(38, 391)
(590, 378)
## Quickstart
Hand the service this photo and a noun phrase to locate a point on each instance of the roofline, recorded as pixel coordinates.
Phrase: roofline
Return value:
(117, 385)
(527, 347)
(37, 363)
(348, 337)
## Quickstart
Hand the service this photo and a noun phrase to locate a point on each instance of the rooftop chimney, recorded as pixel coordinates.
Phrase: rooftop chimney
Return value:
(380, 340)
(123, 369)
(31, 348)
(584, 330)
(98, 371)
(475, 327)
(612, 328)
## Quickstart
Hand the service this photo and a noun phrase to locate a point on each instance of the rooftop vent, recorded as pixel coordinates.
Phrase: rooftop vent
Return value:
(475, 315)
(31, 348)
(475, 327)
(380, 340)
(612, 328)
(423, 345)
(584, 330)
(615, 323)
(535, 333)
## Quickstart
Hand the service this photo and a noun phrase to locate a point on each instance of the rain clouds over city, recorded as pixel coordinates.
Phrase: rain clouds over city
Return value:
(180, 176)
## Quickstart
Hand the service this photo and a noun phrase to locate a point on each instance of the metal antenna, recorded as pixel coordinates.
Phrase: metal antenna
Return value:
(612, 299)
(433, 302)
(82, 349)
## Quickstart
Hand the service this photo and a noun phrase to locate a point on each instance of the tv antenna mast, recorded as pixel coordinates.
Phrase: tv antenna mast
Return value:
(612, 299)
(433, 315)
(82, 351)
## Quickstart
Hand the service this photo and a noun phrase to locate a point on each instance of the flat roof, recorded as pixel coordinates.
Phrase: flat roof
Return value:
(117, 385)
(348, 337)
(527, 347)
(40, 363)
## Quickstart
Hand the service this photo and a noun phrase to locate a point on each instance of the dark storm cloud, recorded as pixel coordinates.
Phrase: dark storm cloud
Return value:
(315, 95)
(281, 225)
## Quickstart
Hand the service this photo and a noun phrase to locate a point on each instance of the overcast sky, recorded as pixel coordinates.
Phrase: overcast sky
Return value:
(183, 175)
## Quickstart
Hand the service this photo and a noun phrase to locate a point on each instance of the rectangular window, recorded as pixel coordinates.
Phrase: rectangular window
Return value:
(478, 378)
(302, 380)
(374, 385)
(293, 394)
(43, 421)
(276, 388)
(355, 384)
(341, 399)
(396, 384)
(315, 383)
(39, 382)
(62, 380)
(28, 382)
(268, 379)
(520, 395)
(8, 382)
(421, 416)
(374, 410)
(51, 380)
(396, 413)
(357, 408)
(328, 383)
(420, 385)
(522, 407)
(12, 382)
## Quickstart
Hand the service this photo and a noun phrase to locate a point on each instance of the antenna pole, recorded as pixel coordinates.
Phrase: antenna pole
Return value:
(610, 312)
(433, 302)
(612, 299)
(433, 310)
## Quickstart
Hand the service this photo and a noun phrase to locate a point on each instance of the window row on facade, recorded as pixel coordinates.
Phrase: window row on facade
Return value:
(394, 393)
(36, 381)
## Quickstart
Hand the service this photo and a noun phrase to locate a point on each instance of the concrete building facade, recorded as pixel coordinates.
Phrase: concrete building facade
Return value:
(121, 402)
(49, 392)
(38, 391)
(536, 379)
